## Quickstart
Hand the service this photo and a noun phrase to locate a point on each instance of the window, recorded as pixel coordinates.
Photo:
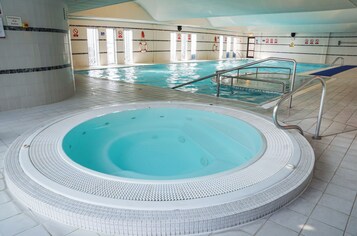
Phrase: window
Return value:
(173, 47)
(184, 43)
(228, 49)
(235, 47)
(220, 47)
(193, 46)
(128, 46)
(93, 47)
(111, 47)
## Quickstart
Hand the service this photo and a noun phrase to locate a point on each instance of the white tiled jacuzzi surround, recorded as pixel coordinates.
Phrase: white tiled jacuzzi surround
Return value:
(175, 221)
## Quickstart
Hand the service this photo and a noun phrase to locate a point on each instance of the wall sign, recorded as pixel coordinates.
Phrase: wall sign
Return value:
(75, 33)
(120, 34)
(2, 31)
(14, 21)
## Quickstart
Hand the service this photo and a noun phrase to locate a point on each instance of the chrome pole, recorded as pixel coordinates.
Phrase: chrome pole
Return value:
(232, 85)
(287, 96)
(322, 102)
(256, 72)
(292, 83)
(218, 81)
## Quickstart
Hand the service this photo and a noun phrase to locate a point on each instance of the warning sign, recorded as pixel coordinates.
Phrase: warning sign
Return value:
(120, 34)
(75, 33)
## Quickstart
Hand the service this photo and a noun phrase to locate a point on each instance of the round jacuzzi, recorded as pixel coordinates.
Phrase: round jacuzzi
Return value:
(162, 168)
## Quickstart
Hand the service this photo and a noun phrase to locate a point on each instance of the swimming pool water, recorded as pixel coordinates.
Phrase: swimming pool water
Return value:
(163, 143)
(170, 75)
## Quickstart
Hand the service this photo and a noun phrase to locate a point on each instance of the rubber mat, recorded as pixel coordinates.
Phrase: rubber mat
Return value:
(333, 71)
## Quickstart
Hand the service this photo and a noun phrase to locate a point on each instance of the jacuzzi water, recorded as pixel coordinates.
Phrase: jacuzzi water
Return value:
(163, 143)
(170, 75)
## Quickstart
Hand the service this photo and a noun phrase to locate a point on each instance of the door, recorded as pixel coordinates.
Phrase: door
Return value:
(251, 47)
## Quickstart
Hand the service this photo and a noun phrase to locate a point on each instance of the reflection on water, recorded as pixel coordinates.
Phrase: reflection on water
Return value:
(112, 74)
(170, 75)
(130, 75)
(96, 73)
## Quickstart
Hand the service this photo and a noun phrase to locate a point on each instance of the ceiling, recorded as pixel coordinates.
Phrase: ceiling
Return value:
(238, 15)
(82, 5)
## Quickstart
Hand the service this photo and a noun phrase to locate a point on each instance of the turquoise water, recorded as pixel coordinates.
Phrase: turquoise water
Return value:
(170, 75)
(163, 143)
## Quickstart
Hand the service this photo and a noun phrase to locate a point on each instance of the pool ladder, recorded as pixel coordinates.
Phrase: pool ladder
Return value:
(221, 73)
(338, 58)
(257, 68)
(289, 95)
(292, 74)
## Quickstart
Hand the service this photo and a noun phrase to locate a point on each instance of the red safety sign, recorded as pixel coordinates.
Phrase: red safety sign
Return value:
(120, 34)
(75, 33)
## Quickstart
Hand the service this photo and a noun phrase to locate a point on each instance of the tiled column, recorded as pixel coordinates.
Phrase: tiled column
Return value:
(35, 63)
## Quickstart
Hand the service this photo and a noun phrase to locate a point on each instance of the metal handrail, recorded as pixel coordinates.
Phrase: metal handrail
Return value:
(319, 117)
(213, 75)
(220, 72)
(194, 81)
(338, 58)
(292, 77)
(266, 67)
(255, 63)
(260, 80)
(239, 53)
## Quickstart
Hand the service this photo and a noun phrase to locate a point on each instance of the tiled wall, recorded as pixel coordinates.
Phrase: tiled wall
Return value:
(307, 47)
(35, 66)
(343, 44)
(156, 36)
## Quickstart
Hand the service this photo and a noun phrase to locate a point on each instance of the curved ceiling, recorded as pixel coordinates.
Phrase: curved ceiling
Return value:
(238, 15)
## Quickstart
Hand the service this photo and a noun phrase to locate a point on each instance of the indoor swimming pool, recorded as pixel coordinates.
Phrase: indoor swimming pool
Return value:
(170, 75)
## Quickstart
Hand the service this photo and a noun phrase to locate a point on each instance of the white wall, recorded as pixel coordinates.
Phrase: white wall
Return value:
(158, 39)
(346, 49)
(156, 36)
(325, 51)
(35, 62)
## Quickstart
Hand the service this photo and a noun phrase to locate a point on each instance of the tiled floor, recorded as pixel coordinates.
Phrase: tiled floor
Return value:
(327, 207)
